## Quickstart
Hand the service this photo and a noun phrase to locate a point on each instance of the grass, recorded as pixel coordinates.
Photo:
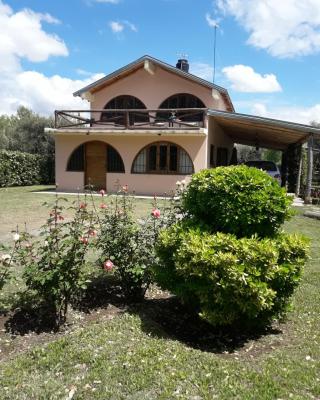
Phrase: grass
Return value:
(23, 206)
(137, 353)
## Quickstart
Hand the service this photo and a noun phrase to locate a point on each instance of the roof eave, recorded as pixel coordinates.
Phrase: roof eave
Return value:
(268, 121)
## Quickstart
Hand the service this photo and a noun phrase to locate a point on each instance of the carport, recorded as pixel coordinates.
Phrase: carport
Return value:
(273, 134)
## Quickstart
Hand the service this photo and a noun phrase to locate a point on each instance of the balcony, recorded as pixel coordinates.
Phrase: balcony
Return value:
(181, 119)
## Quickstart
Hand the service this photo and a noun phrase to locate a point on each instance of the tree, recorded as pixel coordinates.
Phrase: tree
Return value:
(25, 132)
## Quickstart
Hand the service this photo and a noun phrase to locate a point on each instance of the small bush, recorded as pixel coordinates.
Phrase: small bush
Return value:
(54, 266)
(127, 246)
(226, 279)
(239, 200)
(22, 169)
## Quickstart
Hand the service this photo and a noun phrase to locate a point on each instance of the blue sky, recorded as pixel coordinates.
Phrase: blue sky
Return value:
(268, 52)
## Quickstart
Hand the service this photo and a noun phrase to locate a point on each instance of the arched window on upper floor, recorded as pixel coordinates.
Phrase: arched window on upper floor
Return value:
(125, 102)
(183, 100)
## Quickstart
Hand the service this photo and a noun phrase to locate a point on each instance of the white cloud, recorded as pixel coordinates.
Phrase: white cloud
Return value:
(211, 21)
(41, 93)
(116, 27)
(22, 37)
(285, 28)
(244, 79)
(119, 26)
(203, 70)
(131, 26)
(303, 115)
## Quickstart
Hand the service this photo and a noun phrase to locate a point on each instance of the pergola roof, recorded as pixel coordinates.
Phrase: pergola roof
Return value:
(263, 132)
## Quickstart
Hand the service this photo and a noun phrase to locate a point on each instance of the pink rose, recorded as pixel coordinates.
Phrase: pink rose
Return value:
(84, 240)
(125, 188)
(108, 265)
(102, 192)
(102, 205)
(155, 213)
(92, 232)
(83, 205)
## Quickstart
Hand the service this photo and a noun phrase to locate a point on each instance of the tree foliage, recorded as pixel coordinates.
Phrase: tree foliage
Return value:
(24, 132)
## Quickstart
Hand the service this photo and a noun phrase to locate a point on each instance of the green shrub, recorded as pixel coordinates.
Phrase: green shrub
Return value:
(127, 246)
(22, 169)
(239, 200)
(226, 279)
(54, 265)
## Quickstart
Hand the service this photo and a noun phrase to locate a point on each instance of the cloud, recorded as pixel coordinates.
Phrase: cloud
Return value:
(203, 70)
(285, 29)
(244, 79)
(213, 23)
(41, 93)
(116, 27)
(303, 115)
(22, 37)
(119, 26)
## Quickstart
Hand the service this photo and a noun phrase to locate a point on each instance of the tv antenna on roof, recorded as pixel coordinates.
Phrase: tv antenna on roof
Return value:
(216, 26)
(184, 56)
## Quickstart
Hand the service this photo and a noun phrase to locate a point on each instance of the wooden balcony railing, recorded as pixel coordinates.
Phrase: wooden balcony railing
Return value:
(181, 119)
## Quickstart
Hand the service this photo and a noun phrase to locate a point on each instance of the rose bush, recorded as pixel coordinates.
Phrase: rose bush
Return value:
(54, 264)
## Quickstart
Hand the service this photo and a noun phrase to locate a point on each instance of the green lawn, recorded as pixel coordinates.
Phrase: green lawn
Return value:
(20, 206)
(137, 354)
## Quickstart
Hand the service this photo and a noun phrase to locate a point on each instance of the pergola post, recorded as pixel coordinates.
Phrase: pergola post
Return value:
(284, 168)
(298, 183)
(293, 161)
(307, 199)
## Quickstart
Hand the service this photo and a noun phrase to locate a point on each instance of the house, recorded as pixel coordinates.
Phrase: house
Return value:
(151, 124)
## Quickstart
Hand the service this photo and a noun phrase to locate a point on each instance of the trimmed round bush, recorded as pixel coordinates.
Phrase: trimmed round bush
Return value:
(240, 200)
(226, 279)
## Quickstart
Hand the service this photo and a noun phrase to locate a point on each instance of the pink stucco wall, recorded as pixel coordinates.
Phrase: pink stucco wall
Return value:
(128, 147)
(152, 90)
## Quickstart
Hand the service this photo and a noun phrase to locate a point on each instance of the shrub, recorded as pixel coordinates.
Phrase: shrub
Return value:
(239, 200)
(22, 169)
(226, 279)
(127, 246)
(54, 264)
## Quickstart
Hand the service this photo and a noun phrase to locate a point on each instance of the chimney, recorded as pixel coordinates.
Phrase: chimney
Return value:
(183, 64)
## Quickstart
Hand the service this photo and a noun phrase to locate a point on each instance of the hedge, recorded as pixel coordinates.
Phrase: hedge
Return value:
(22, 169)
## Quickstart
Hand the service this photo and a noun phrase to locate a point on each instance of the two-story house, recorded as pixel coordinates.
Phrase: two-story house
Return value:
(151, 124)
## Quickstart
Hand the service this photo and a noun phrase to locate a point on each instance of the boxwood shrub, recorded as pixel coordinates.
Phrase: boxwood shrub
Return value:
(227, 257)
(226, 279)
(239, 200)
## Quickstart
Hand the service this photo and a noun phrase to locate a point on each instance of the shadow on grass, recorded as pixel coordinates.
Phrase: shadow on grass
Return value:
(27, 319)
(31, 316)
(163, 317)
(168, 318)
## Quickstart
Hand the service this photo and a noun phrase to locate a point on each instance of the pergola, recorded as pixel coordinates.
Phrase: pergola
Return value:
(272, 134)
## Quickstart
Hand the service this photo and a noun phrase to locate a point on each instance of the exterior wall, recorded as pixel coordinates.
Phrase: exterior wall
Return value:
(217, 138)
(128, 147)
(152, 90)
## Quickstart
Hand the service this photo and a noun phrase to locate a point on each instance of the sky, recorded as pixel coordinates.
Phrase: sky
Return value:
(267, 54)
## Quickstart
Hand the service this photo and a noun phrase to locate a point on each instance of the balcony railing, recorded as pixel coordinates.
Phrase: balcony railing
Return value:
(180, 119)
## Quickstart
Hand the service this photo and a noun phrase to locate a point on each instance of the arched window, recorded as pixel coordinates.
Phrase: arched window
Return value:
(113, 162)
(76, 160)
(183, 100)
(125, 102)
(162, 158)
